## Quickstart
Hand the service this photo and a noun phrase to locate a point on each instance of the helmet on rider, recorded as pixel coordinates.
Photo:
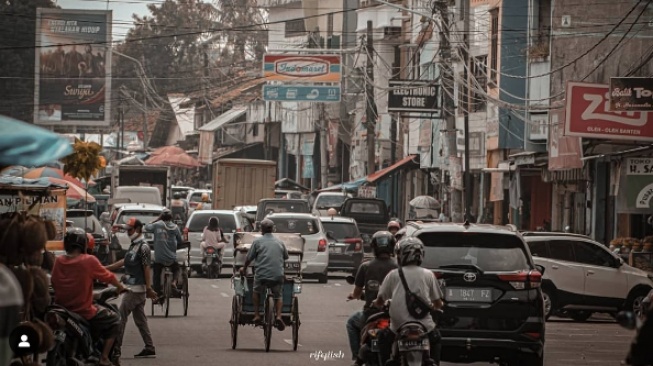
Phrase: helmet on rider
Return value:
(205, 197)
(383, 242)
(166, 214)
(176, 196)
(267, 226)
(75, 239)
(410, 251)
(394, 226)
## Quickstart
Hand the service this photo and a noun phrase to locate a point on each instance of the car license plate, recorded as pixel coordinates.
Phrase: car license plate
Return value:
(336, 250)
(293, 265)
(404, 345)
(468, 294)
(375, 345)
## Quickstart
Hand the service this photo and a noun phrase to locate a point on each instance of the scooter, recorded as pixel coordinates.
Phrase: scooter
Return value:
(212, 262)
(73, 341)
(412, 346)
(371, 334)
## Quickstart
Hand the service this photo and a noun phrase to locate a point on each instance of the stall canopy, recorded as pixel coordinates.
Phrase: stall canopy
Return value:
(408, 161)
(224, 118)
(287, 183)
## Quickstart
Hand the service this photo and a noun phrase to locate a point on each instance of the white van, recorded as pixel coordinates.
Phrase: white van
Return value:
(138, 194)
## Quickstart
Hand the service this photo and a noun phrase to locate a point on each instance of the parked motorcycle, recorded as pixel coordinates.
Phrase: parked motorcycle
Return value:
(73, 341)
(212, 262)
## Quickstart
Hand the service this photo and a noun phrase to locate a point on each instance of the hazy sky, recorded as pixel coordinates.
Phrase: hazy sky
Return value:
(122, 11)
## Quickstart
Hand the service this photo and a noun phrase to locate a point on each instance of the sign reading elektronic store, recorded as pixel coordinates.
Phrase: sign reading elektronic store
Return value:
(418, 96)
(636, 188)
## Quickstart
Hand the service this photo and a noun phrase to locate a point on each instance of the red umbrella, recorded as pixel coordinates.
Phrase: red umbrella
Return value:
(47, 172)
(182, 160)
(172, 150)
(73, 191)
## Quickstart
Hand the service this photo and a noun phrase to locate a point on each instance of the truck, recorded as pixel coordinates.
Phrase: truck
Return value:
(371, 215)
(242, 182)
(143, 176)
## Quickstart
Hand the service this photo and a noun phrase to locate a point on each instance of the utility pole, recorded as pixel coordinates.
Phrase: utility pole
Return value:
(468, 189)
(370, 110)
(448, 106)
(145, 124)
(324, 168)
(122, 127)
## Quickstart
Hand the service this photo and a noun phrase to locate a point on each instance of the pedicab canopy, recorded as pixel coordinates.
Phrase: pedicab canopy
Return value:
(294, 244)
(38, 197)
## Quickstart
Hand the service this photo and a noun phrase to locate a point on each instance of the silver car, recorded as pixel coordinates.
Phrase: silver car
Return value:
(230, 222)
(316, 253)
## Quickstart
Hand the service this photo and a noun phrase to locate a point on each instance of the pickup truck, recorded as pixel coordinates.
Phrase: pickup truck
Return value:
(371, 215)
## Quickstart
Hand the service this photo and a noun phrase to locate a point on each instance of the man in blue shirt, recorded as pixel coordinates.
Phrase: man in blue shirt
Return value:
(166, 239)
(270, 254)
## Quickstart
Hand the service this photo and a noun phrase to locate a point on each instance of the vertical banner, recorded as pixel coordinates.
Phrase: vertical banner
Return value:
(308, 144)
(206, 147)
(307, 169)
(564, 151)
(72, 83)
(334, 128)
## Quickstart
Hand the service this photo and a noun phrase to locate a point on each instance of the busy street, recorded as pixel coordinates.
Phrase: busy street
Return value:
(203, 337)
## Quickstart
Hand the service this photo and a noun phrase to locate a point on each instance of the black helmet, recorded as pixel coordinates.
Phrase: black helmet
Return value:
(383, 242)
(166, 214)
(75, 238)
(267, 226)
(176, 196)
(410, 250)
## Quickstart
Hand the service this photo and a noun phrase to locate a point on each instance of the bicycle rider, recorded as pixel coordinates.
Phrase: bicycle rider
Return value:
(269, 254)
(166, 239)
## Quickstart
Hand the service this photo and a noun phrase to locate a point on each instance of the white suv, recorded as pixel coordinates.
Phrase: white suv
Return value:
(582, 276)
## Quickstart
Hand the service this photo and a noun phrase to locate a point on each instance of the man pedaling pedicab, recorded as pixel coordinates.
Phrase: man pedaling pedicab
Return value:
(270, 254)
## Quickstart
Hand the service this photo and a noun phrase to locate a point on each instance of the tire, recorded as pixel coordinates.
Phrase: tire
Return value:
(580, 315)
(168, 292)
(634, 302)
(323, 278)
(235, 319)
(185, 294)
(57, 356)
(294, 318)
(528, 360)
(269, 321)
(549, 303)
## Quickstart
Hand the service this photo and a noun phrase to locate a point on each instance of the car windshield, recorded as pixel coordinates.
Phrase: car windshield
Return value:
(201, 220)
(197, 196)
(341, 230)
(366, 208)
(330, 201)
(144, 216)
(182, 192)
(296, 225)
(79, 221)
(490, 252)
(285, 206)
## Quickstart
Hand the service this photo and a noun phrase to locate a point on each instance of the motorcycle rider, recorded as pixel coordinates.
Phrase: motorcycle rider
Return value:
(270, 254)
(369, 277)
(206, 202)
(72, 280)
(640, 349)
(420, 281)
(138, 278)
(394, 226)
(213, 236)
(179, 207)
(166, 239)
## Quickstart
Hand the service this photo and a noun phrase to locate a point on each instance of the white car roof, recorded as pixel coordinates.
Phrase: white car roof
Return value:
(140, 207)
(296, 215)
(337, 219)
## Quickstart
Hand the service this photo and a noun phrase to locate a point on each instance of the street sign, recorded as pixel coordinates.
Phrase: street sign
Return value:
(307, 68)
(419, 96)
(631, 94)
(285, 93)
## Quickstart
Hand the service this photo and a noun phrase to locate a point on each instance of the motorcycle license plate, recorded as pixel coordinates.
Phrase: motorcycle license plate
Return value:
(413, 345)
(375, 345)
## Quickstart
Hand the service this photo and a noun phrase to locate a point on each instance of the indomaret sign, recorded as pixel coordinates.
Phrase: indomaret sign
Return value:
(420, 96)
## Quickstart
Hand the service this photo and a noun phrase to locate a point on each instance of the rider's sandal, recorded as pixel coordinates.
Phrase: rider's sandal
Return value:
(279, 325)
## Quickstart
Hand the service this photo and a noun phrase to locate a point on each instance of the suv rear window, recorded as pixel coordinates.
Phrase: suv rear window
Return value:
(285, 206)
(490, 252)
(365, 208)
(330, 201)
(293, 225)
(197, 196)
(200, 220)
(341, 230)
(144, 216)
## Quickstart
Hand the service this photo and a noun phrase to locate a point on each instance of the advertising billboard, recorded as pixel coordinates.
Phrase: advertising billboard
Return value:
(588, 115)
(631, 94)
(305, 68)
(72, 84)
(636, 186)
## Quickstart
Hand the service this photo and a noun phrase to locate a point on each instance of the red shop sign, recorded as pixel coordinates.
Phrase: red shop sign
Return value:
(588, 115)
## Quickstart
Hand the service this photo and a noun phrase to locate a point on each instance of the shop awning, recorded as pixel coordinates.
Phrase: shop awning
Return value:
(224, 118)
(380, 174)
(347, 186)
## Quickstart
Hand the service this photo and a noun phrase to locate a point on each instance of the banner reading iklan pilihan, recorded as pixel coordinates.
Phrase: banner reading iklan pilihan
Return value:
(73, 64)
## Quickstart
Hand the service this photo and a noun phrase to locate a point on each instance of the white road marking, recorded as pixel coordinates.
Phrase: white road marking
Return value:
(215, 286)
(224, 295)
(338, 285)
(289, 341)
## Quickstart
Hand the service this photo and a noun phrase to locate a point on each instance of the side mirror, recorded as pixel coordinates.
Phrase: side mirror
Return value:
(540, 268)
(350, 279)
(620, 262)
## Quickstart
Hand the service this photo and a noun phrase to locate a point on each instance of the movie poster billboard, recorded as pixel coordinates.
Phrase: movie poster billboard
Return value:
(73, 64)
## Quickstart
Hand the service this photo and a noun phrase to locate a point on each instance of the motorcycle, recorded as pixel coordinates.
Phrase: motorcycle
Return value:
(412, 346)
(639, 354)
(371, 335)
(73, 341)
(212, 262)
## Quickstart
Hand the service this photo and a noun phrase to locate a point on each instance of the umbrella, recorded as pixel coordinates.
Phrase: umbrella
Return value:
(46, 172)
(25, 144)
(73, 192)
(172, 150)
(425, 202)
(182, 160)
(14, 170)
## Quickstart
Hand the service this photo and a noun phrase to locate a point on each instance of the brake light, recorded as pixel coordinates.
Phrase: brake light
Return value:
(438, 275)
(239, 230)
(534, 335)
(322, 245)
(383, 323)
(185, 234)
(357, 241)
(520, 280)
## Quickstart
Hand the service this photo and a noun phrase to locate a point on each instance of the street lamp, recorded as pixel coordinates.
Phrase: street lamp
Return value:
(144, 98)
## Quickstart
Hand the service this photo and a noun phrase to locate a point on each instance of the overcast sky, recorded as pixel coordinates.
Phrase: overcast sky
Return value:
(122, 11)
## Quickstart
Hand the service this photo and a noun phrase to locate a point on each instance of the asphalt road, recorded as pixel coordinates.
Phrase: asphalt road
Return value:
(203, 337)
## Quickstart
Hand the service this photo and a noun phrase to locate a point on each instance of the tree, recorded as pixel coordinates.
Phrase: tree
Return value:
(245, 36)
(17, 48)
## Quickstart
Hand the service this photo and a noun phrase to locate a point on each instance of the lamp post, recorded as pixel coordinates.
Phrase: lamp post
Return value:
(144, 96)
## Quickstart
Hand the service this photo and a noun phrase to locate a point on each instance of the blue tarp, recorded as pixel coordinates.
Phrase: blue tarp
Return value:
(28, 145)
(347, 186)
(28, 183)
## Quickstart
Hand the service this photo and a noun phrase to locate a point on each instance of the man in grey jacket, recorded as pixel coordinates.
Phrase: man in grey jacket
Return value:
(166, 239)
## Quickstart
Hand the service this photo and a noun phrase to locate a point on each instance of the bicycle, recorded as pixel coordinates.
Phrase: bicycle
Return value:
(166, 283)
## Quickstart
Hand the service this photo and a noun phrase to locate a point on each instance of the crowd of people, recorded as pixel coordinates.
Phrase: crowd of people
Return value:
(68, 62)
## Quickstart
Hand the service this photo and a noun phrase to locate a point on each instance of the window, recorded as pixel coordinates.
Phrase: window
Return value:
(299, 226)
(341, 230)
(201, 220)
(561, 250)
(490, 252)
(295, 28)
(494, 45)
(324, 202)
(329, 24)
(366, 208)
(255, 129)
(538, 249)
(479, 73)
(592, 254)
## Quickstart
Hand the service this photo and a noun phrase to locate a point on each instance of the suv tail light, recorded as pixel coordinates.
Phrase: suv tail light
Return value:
(438, 275)
(194, 204)
(357, 241)
(523, 279)
(322, 245)
(185, 234)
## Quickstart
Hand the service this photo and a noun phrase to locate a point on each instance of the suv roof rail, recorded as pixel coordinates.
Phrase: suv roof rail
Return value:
(550, 233)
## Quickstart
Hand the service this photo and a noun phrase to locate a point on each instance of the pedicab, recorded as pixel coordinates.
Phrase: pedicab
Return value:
(242, 311)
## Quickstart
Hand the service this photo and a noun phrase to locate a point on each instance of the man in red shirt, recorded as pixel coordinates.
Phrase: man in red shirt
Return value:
(72, 279)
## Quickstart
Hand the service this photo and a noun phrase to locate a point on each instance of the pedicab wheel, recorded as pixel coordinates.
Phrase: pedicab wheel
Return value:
(185, 293)
(235, 319)
(153, 307)
(166, 305)
(269, 321)
(294, 318)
